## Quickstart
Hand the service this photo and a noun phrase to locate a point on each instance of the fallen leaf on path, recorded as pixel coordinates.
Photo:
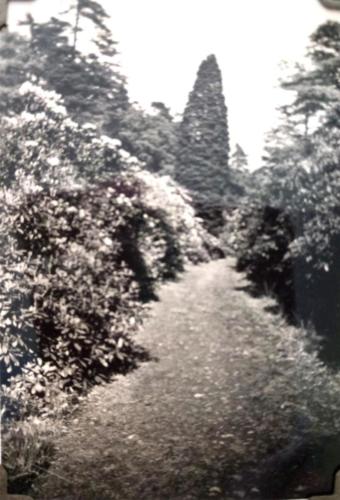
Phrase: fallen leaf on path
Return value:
(215, 489)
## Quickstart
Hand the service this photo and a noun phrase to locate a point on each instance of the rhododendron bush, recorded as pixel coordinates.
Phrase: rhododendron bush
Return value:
(86, 235)
(78, 300)
(164, 193)
(40, 140)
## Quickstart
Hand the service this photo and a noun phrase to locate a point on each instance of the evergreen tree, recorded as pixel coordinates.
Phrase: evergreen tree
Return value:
(90, 84)
(91, 10)
(162, 110)
(239, 159)
(203, 145)
(13, 57)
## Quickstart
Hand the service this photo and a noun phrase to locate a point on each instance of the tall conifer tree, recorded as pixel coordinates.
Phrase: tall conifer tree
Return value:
(203, 146)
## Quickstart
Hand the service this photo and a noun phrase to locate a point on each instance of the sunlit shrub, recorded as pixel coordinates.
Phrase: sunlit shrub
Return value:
(38, 138)
(76, 300)
(163, 193)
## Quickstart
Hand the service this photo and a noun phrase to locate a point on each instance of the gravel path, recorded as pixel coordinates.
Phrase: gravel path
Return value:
(193, 423)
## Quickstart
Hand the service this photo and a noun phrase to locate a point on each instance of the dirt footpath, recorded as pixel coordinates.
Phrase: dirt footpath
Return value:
(227, 396)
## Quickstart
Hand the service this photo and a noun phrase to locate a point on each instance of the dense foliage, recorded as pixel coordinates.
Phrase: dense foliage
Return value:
(265, 234)
(152, 137)
(86, 236)
(298, 258)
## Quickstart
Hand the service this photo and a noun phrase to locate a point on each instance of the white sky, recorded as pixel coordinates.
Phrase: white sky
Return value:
(162, 43)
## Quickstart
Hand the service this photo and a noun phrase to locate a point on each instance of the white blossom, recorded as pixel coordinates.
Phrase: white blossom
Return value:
(53, 161)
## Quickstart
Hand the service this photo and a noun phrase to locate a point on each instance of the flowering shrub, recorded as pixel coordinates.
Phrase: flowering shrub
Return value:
(234, 235)
(80, 260)
(77, 299)
(40, 139)
(162, 192)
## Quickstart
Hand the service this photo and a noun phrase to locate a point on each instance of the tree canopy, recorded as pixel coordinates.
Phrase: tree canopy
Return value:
(90, 82)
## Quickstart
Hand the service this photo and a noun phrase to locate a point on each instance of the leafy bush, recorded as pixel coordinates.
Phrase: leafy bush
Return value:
(82, 261)
(78, 299)
(233, 236)
(163, 193)
(263, 252)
